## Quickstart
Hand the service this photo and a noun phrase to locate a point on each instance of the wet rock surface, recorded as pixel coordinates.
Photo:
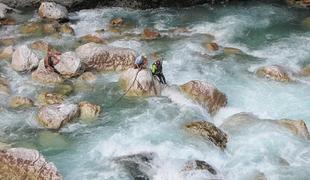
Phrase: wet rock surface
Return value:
(139, 166)
(51, 10)
(209, 131)
(24, 59)
(205, 94)
(276, 73)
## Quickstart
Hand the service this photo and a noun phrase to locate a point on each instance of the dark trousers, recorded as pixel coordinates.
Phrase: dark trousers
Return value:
(161, 78)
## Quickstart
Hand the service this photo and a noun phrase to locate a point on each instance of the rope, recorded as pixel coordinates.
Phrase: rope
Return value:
(122, 96)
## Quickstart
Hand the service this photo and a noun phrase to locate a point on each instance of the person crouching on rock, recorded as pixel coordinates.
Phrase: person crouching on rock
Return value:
(157, 70)
(140, 62)
(51, 60)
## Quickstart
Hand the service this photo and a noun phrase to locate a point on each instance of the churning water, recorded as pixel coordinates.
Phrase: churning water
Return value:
(268, 34)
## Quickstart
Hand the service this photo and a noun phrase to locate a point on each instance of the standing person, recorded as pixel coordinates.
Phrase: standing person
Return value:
(140, 62)
(51, 60)
(157, 70)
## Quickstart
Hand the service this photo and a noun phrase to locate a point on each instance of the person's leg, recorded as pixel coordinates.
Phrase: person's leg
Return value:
(160, 79)
(164, 79)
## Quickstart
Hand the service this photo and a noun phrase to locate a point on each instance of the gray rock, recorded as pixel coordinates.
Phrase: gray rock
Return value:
(69, 65)
(57, 115)
(24, 59)
(105, 58)
(51, 10)
(139, 166)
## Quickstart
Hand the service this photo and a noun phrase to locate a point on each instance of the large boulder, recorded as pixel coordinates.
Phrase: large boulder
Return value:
(21, 102)
(105, 58)
(31, 28)
(24, 59)
(89, 111)
(21, 163)
(274, 72)
(140, 83)
(57, 115)
(208, 131)
(206, 95)
(245, 120)
(69, 65)
(46, 76)
(51, 10)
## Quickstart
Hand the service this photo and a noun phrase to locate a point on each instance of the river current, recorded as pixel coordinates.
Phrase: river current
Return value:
(268, 33)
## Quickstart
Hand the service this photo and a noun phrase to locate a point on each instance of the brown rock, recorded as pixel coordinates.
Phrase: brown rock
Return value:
(274, 72)
(117, 22)
(47, 98)
(4, 87)
(7, 21)
(66, 29)
(24, 59)
(6, 53)
(88, 111)
(306, 71)
(150, 34)
(95, 38)
(299, 3)
(21, 102)
(7, 41)
(212, 46)
(208, 131)
(206, 95)
(298, 128)
(21, 163)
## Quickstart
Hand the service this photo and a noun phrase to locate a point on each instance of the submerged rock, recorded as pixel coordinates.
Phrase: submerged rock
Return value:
(7, 21)
(22, 163)
(31, 28)
(89, 111)
(140, 83)
(274, 72)
(88, 77)
(51, 10)
(105, 58)
(150, 34)
(4, 87)
(232, 51)
(41, 46)
(57, 115)
(206, 95)
(198, 165)
(66, 29)
(117, 22)
(299, 3)
(43, 75)
(208, 131)
(21, 102)
(139, 166)
(69, 65)
(6, 53)
(7, 41)
(92, 38)
(246, 120)
(306, 70)
(47, 98)
(24, 59)
(53, 141)
(51, 27)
